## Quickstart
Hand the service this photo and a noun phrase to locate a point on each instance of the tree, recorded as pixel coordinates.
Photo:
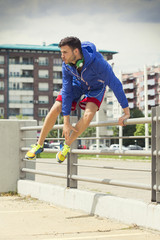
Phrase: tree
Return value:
(140, 131)
(129, 130)
(54, 133)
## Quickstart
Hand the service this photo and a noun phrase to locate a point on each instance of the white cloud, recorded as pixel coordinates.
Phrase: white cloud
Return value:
(112, 25)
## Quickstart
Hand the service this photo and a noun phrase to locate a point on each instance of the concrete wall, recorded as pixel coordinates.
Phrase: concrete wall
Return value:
(10, 153)
(122, 209)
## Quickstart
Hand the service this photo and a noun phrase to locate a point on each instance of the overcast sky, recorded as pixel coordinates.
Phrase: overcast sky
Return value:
(130, 27)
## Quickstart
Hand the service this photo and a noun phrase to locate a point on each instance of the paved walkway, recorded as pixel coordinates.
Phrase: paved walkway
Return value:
(30, 219)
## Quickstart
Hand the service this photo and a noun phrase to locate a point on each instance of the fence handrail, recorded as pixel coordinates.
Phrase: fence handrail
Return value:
(101, 152)
(72, 164)
(100, 124)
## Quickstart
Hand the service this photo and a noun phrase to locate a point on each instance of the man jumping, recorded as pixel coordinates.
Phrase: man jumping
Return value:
(84, 72)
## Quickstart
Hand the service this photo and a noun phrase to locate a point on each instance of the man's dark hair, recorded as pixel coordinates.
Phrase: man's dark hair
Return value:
(72, 42)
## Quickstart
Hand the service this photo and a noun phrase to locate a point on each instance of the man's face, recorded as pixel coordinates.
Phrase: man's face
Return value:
(68, 55)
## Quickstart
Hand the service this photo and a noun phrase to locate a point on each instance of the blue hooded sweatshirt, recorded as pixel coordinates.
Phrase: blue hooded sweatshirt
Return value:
(96, 73)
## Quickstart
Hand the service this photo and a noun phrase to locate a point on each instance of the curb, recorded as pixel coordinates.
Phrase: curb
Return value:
(124, 210)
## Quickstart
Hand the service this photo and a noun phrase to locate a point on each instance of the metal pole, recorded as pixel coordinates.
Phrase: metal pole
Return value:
(157, 155)
(97, 129)
(120, 127)
(153, 162)
(71, 160)
(146, 105)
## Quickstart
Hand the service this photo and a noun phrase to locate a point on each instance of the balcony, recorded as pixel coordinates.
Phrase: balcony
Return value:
(129, 95)
(151, 82)
(131, 105)
(57, 81)
(57, 68)
(128, 86)
(151, 102)
(151, 92)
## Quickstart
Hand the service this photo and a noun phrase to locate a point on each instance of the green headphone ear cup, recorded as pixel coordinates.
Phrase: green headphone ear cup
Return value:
(79, 63)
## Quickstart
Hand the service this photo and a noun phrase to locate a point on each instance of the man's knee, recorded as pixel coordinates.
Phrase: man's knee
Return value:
(58, 106)
(88, 115)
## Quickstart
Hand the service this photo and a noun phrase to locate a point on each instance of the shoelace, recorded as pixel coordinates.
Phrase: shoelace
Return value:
(65, 150)
(34, 147)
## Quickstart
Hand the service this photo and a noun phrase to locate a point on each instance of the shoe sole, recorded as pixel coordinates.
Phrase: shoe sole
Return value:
(58, 160)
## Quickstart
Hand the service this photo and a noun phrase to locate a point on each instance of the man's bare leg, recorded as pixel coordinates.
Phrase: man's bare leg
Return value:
(50, 121)
(84, 122)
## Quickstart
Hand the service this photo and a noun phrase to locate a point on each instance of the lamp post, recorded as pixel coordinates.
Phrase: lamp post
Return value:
(146, 106)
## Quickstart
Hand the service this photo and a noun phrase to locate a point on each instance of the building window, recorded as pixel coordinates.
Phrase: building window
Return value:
(42, 112)
(43, 74)
(1, 59)
(43, 61)
(27, 111)
(1, 98)
(43, 99)
(57, 61)
(1, 72)
(1, 111)
(1, 85)
(43, 87)
(57, 75)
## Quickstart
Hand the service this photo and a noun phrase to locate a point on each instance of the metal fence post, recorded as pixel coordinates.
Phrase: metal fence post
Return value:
(153, 162)
(157, 155)
(71, 160)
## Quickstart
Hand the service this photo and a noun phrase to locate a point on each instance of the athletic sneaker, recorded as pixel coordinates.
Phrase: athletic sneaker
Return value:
(36, 149)
(62, 154)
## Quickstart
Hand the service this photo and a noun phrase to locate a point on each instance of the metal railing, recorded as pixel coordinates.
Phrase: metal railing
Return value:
(72, 175)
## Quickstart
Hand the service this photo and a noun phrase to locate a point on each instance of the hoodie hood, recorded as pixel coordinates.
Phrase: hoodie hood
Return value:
(89, 52)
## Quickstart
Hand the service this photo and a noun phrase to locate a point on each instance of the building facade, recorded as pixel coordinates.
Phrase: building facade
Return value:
(31, 78)
(133, 85)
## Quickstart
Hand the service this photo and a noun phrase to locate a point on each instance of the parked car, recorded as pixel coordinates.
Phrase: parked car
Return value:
(55, 145)
(46, 145)
(134, 147)
(82, 147)
(117, 147)
(101, 147)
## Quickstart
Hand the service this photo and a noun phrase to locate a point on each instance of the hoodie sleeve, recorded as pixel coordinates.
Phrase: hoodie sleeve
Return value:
(106, 73)
(67, 91)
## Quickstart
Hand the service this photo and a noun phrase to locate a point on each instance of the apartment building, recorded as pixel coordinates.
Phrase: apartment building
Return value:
(31, 78)
(133, 85)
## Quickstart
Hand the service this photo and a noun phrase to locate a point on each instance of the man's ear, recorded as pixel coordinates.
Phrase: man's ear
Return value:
(76, 51)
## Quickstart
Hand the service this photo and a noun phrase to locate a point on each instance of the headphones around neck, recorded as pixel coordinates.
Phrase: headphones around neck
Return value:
(79, 63)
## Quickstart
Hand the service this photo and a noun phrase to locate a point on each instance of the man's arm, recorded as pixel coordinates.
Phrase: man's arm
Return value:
(124, 117)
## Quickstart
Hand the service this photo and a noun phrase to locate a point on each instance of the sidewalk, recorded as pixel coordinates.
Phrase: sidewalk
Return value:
(30, 219)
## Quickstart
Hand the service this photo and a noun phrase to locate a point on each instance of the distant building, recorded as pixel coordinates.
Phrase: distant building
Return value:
(31, 78)
(133, 85)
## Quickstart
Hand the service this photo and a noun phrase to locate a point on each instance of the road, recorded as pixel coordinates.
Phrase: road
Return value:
(128, 176)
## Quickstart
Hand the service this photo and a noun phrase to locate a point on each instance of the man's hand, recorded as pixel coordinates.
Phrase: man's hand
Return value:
(67, 128)
(124, 117)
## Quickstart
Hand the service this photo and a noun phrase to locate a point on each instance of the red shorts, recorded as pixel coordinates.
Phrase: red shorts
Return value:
(95, 96)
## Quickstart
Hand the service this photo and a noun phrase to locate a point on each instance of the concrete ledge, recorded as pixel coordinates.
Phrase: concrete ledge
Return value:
(124, 210)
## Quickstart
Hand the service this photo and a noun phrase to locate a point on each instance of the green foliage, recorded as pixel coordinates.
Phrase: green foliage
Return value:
(129, 130)
(20, 117)
(89, 132)
(1, 117)
(54, 133)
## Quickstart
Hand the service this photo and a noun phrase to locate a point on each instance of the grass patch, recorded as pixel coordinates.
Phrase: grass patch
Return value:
(86, 156)
(47, 155)
(8, 194)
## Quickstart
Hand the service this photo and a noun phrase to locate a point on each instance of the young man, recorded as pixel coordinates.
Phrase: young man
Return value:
(84, 72)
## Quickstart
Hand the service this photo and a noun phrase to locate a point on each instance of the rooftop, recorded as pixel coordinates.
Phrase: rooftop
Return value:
(52, 47)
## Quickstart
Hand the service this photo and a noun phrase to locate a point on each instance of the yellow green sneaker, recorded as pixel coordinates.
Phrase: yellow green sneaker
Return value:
(62, 154)
(35, 149)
